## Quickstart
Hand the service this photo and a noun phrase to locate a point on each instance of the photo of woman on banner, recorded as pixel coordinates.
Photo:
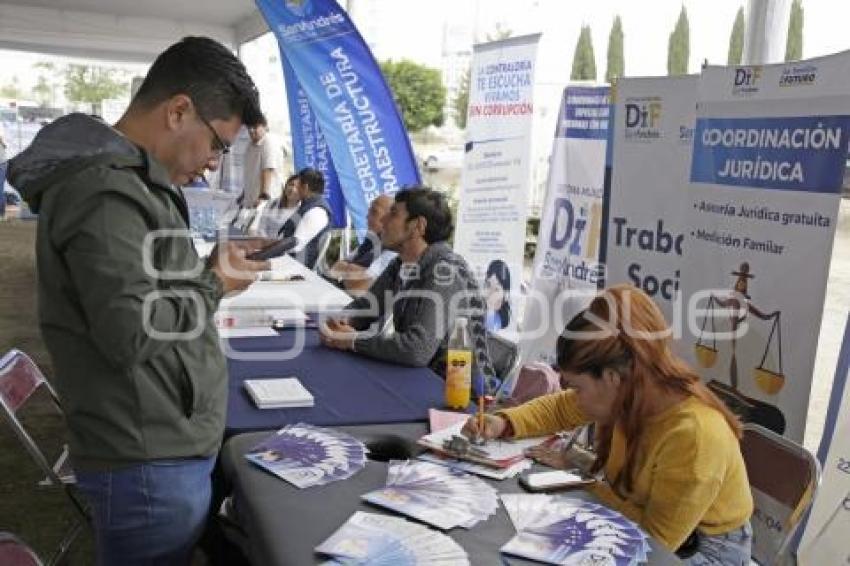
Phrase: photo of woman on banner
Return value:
(497, 288)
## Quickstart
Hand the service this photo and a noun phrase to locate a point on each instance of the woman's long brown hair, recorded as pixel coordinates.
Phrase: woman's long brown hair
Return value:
(624, 330)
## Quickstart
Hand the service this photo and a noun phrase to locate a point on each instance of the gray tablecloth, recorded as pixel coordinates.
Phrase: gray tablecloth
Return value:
(282, 524)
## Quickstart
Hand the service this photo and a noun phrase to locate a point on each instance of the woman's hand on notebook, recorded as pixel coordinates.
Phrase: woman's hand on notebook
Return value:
(494, 427)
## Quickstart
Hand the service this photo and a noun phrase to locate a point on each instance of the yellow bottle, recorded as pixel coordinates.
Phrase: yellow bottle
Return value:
(459, 366)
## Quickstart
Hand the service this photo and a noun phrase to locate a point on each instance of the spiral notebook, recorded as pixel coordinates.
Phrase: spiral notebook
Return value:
(278, 393)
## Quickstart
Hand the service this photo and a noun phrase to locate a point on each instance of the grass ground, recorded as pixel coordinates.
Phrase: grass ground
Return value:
(38, 515)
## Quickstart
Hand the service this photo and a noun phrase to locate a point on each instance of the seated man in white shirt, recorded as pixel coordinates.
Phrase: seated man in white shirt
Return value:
(310, 224)
(368, 261)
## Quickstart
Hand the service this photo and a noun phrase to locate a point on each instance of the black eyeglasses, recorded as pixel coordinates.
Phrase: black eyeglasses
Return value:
(220, 146)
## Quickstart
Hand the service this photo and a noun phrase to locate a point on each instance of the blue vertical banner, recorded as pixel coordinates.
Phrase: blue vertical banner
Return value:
(349, 97)
(309, 147)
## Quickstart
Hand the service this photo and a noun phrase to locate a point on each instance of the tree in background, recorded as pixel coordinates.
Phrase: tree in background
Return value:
(616, 61)
(12, 89)
(92, 84)
(679, 46)
(418, 91)
(499, 33)
(584, 62)
(461, 101)
(44, 90)
(736, 40)
(794, 45)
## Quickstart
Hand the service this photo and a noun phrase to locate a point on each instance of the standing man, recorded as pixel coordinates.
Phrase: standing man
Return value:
(126, 306)
(262, 166)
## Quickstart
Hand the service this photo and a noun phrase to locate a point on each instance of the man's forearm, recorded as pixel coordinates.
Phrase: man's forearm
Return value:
(266, 183)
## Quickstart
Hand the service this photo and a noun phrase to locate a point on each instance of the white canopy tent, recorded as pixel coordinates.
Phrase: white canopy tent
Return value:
(123, 30)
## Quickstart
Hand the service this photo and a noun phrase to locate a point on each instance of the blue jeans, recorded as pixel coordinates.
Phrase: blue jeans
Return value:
(729, 549)
(149, 514)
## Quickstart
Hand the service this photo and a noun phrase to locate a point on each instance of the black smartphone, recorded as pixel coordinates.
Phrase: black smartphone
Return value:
(275, 249)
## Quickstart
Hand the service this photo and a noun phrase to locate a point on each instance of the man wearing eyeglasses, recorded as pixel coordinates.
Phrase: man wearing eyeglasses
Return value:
(125, 304)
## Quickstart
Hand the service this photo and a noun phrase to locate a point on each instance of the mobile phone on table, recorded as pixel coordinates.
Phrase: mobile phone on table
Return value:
(555, 480)
(282, 324)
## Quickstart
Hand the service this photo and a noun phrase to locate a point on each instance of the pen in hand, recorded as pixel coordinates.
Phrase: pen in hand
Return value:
(570, 441)
(479, 437)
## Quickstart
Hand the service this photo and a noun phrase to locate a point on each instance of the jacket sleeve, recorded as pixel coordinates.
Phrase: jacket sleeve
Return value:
(428, 313)
(370, 307)
(131, 315)
(545, 415)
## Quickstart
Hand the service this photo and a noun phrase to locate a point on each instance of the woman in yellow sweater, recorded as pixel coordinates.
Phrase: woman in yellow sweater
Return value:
(668, 447)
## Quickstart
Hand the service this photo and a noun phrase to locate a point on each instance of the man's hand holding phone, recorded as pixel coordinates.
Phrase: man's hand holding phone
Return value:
(230, 263)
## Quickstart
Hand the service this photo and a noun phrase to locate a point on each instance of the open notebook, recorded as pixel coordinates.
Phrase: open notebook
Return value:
(501, 453)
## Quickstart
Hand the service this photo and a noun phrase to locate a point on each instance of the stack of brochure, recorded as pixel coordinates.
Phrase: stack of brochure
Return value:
(564, 530)
(278, 393)
(367, 538)
(307, 456)
(435, 494)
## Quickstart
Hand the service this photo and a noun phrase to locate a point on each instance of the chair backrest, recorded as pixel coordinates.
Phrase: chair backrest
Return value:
(15, 552)
(783, 478)
(324, 245)
(504, 355)
(20, 378)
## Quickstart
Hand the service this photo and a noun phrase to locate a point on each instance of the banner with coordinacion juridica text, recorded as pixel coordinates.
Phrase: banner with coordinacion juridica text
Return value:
(349, 98)
(496, 174)
(309, 147)
(652, 139)
(567, 270)
(769, 153)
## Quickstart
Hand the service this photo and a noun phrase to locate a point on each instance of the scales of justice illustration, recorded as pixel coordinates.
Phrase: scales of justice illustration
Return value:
(740, 306)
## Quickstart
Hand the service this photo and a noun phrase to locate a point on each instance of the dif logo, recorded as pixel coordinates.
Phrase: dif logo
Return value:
(746, 79)
(576, 230)
(643, 119)
(643, 115)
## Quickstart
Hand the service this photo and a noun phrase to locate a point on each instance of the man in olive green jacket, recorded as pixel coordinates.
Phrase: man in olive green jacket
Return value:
(125, 304)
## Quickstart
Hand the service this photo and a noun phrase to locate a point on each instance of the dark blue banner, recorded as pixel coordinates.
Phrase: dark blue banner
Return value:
(349, 97)
(804, 153)
(585, 113)
(309, 147)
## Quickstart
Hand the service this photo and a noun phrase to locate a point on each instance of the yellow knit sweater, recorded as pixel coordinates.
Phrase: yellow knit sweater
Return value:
(689, 473)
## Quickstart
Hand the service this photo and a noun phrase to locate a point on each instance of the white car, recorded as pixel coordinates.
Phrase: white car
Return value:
(449, 157)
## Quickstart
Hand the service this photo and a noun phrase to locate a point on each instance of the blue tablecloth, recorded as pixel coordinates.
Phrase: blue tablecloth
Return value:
(349, 389)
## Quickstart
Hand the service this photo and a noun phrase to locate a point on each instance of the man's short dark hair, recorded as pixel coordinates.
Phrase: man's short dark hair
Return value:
(433, 207)
(261, 121)
(313, 179)
(209, 74)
